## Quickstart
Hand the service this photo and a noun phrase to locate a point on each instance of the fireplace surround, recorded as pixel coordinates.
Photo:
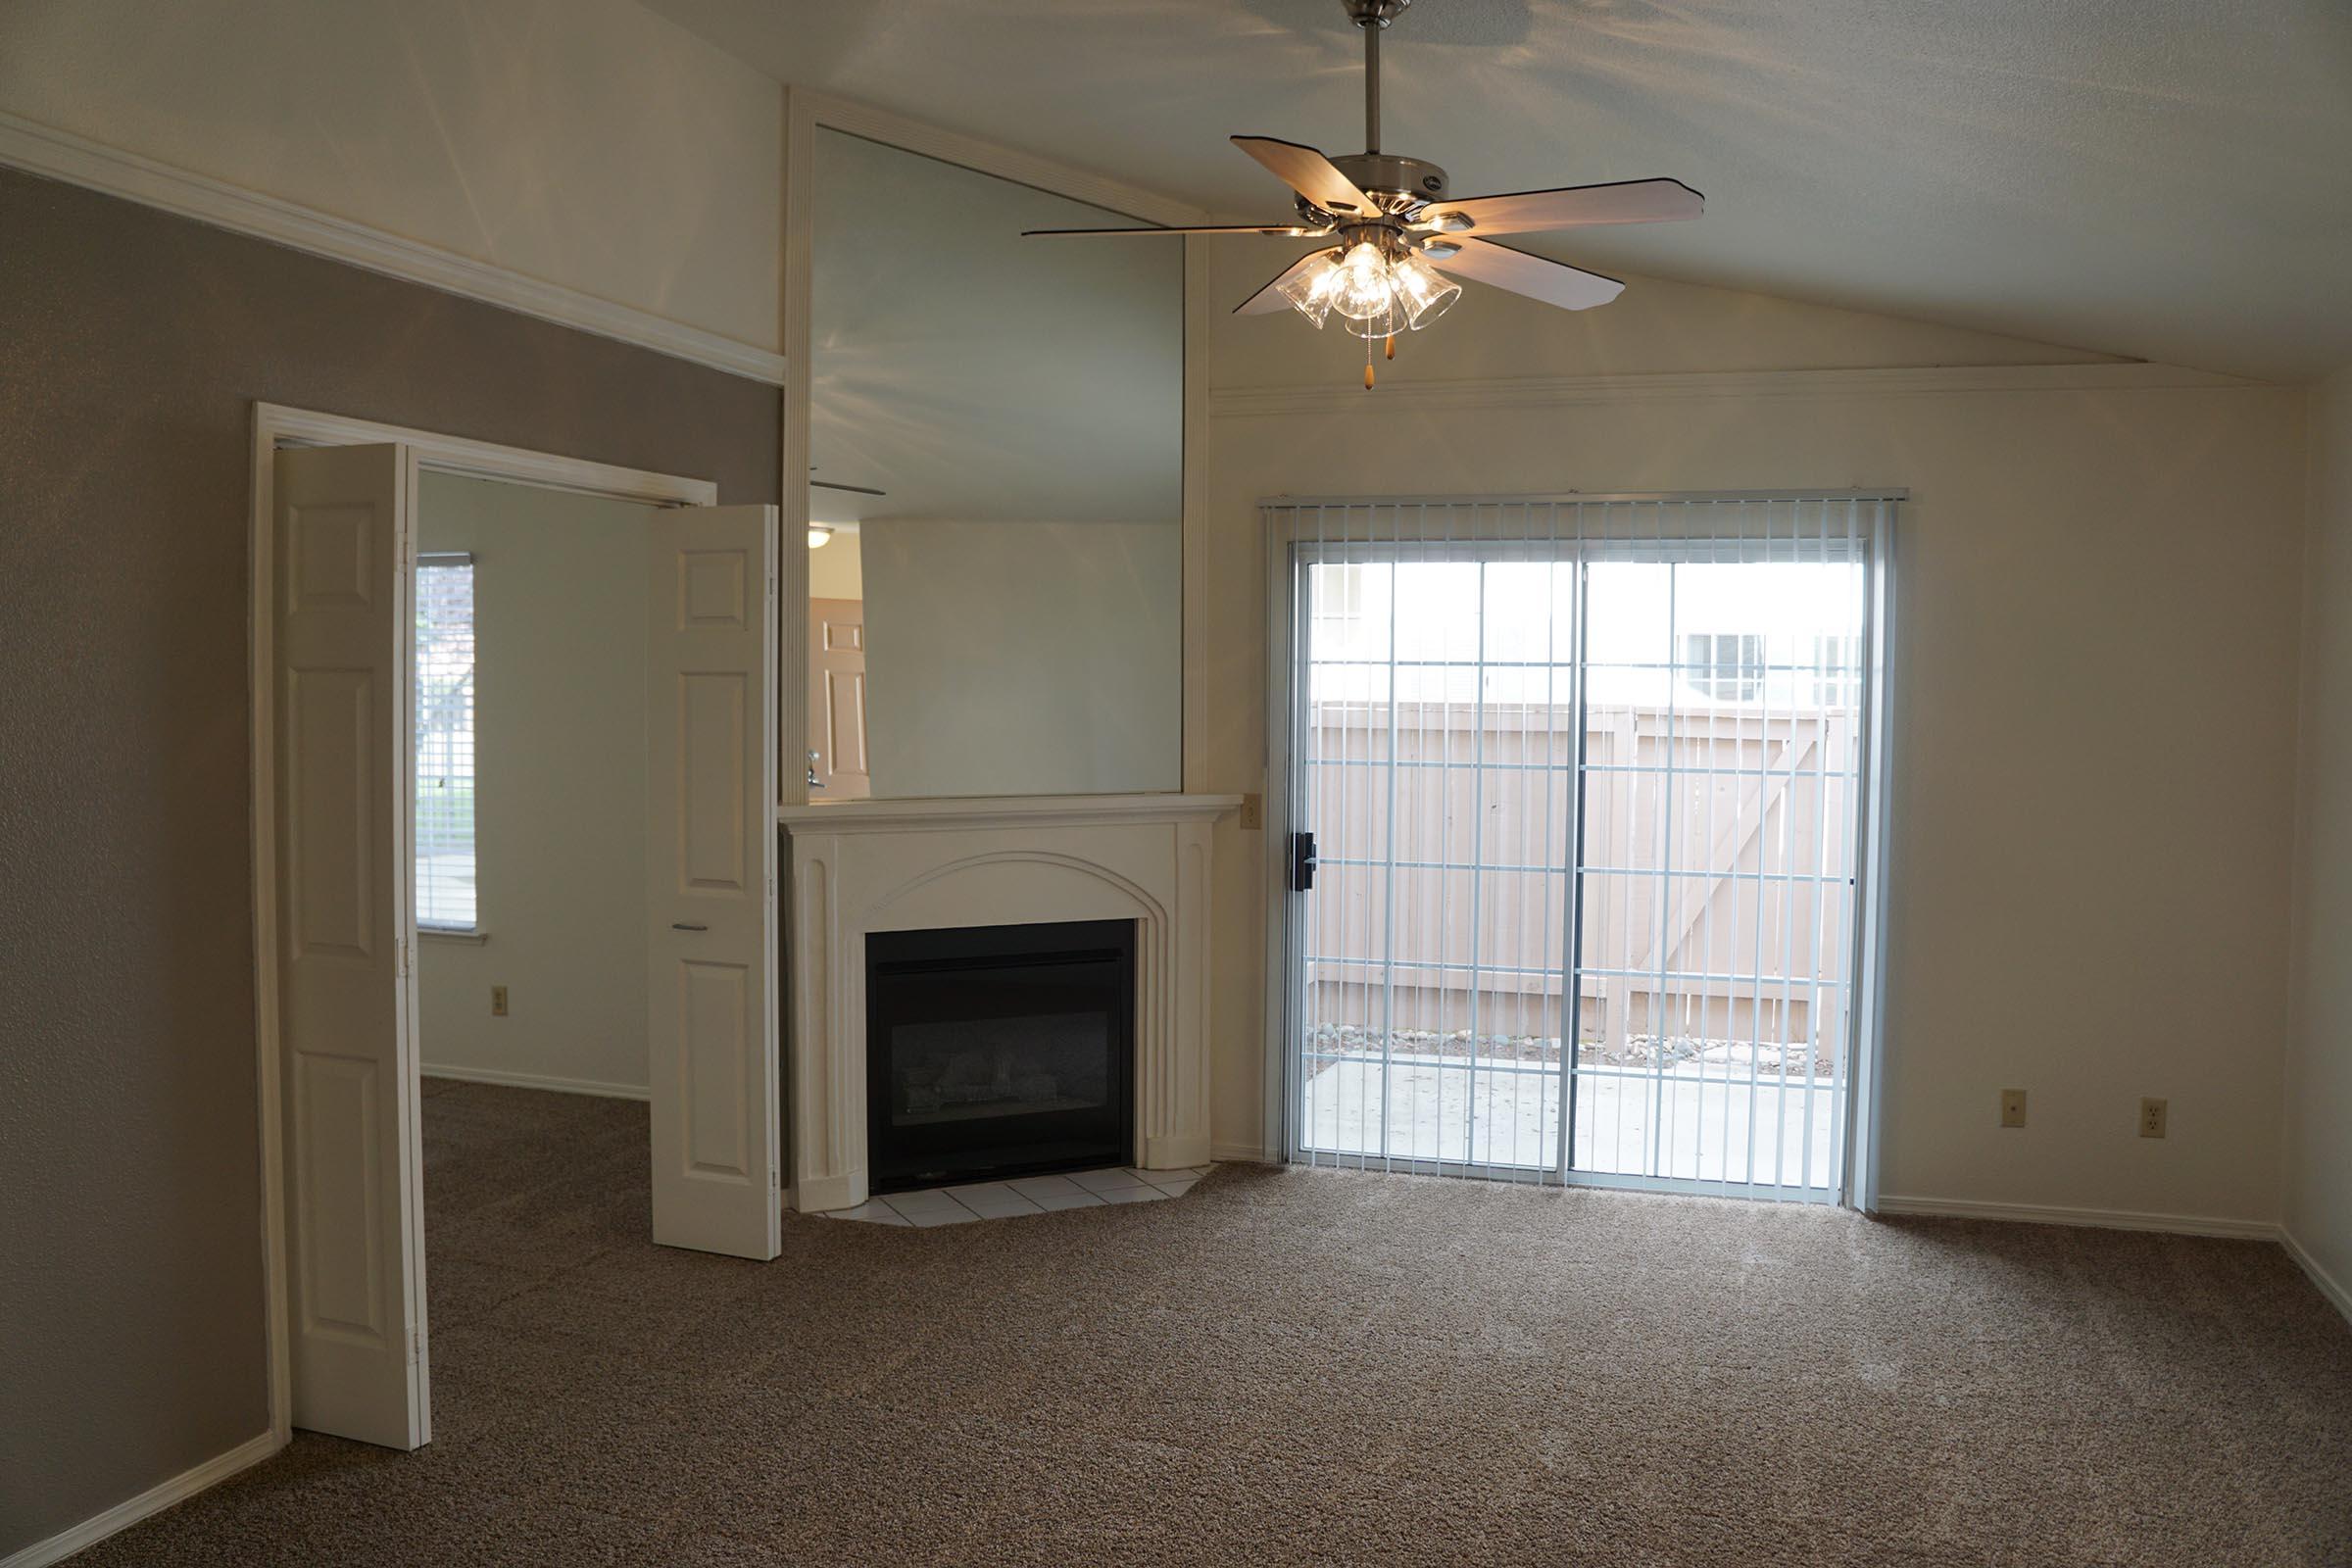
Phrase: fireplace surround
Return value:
(861, 867)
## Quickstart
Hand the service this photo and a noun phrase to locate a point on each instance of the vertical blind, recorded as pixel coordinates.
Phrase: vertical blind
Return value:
(443, 743)
(1583, 782)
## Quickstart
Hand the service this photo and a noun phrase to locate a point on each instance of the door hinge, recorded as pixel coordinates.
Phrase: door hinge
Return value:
(400, 955)
(1303, 862)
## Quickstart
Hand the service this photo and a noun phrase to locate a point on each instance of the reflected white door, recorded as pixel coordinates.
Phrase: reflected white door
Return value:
(837, 699)
(343, 576)
(711, 869)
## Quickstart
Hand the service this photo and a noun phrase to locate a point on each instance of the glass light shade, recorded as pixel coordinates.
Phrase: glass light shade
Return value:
(1310, 290)
(1364, 291)
(1422, 290)
(1387, 322)
(820, 536)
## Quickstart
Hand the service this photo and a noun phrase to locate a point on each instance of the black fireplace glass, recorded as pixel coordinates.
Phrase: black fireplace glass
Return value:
(999, 1050)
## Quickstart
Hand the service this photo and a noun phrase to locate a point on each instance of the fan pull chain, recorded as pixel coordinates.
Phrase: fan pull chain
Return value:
(1367, 365)
(1392, 345)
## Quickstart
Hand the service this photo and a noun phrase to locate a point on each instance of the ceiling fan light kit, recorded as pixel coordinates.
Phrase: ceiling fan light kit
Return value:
(1391, 218)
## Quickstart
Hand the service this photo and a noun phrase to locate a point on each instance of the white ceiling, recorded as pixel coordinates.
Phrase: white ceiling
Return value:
(2168, 179)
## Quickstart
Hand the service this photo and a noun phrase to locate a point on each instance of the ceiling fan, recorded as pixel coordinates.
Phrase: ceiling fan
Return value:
(1394, 220)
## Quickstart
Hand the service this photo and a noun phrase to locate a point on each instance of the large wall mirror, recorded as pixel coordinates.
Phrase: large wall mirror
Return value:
(996, 451)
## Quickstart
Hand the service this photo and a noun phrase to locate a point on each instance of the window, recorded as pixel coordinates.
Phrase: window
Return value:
(1726, 665)
(445, 892)
(1836, 671)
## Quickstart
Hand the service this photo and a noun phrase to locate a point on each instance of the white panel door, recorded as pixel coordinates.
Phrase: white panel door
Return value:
(711, 870)
(343, 575)
(837, 699)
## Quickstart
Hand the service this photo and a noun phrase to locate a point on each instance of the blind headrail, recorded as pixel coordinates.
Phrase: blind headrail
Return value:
(1562, 498)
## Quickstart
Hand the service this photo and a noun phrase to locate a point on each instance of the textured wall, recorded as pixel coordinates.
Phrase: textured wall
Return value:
(583, 142)
(132, 346)
(2318, 1085)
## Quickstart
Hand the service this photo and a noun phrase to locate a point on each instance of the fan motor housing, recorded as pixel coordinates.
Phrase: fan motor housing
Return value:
(1400, 185)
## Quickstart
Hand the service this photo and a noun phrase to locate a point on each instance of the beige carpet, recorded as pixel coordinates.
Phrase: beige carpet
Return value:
(1303, 1366)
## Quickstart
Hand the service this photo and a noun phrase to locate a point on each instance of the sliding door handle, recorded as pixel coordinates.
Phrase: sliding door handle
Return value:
(680, 925)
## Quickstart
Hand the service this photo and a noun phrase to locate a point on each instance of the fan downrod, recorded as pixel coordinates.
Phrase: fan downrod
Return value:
(1402, 185)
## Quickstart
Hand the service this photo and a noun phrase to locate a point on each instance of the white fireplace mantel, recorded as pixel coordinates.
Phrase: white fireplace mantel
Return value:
(859, 867)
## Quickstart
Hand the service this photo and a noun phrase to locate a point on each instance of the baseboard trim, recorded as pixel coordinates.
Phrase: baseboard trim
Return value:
(1241, 1155)
(62, 155)
(532, 1080)
(2329, 1285)
(2106, 1219)
(155, 1499)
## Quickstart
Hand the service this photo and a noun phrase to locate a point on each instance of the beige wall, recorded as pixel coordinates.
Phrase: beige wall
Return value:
(2095, 777)
(835, 573)
(2318, 1099)
(1022, 658)
(560, 798)
(587, 143)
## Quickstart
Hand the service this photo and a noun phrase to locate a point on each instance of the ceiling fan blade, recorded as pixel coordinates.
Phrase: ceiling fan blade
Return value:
(1311, 174)
(1630, 201)
(1270, 297)
(1286, 231)
(1539, 277)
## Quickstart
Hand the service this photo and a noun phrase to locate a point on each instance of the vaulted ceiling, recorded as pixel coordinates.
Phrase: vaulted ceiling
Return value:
(2168, 179)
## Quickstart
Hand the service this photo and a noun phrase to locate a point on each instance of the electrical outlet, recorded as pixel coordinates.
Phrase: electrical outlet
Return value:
(2151, 1118)
(2013, 1107)
(1253, 813)
(498, 1002)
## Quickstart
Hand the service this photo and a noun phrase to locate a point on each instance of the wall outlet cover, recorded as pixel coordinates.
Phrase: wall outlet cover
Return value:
(498, 1002)
(2153, 1117)
(1253, 813)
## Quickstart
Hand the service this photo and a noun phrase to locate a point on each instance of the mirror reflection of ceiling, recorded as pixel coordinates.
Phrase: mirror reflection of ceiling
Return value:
(976, 376)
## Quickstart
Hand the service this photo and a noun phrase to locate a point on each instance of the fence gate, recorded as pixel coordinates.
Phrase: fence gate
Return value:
(1576, 797)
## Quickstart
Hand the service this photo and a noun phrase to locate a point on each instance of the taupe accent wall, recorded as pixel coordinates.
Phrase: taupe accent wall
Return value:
(132, 347)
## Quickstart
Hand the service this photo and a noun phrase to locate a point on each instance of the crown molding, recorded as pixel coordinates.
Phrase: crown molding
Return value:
(1567, 391)
(78, 161)
(988, 158)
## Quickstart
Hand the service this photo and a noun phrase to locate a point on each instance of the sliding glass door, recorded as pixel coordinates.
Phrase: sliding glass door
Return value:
(1576, 791)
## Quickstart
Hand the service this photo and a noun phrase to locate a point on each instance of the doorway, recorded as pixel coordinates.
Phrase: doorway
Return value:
(1578, 795)
(339, 611)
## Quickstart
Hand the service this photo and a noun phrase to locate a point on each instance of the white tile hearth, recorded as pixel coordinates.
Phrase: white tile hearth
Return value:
(1029, 1194)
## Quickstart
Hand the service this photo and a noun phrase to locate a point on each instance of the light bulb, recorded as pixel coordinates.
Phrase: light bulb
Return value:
(1422, 291)
(1365, 288)
(820, 536)
(1310, 290)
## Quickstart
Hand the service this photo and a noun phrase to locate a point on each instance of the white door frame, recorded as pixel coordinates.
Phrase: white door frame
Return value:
(1869, 960)
(275, 427)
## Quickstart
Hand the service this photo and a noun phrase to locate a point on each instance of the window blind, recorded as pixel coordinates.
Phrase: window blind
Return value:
(445, 848)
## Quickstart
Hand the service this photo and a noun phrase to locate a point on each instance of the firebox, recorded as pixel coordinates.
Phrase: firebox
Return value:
(999, 1050)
